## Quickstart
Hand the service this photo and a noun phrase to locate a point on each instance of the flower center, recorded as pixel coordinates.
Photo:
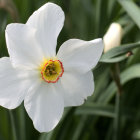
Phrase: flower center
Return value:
(52, 70)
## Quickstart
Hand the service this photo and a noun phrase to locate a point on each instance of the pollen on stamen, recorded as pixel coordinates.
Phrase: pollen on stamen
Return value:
(52, 70)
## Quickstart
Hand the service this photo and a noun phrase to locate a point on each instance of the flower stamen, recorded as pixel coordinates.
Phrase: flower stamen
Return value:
(52, 70)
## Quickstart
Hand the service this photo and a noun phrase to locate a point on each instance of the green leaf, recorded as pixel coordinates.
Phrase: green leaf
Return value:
(95, 109)
(100, 109)
(115, 52)
(129, 74)
(114, 60)
(132, 9)
(79, 128)
(21, 122)
(5, 132)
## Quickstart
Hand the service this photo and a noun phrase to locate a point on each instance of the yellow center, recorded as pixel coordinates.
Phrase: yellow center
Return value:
(51, 71)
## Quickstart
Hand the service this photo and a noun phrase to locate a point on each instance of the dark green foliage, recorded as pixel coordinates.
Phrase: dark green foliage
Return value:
(87, 20)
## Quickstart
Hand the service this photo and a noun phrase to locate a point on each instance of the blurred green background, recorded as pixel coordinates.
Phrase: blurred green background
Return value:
(95, 120)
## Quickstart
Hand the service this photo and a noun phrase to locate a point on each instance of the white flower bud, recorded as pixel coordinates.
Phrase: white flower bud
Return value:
(113, 36)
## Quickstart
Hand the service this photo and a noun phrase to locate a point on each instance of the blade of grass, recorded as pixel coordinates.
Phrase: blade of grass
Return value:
(132, 9)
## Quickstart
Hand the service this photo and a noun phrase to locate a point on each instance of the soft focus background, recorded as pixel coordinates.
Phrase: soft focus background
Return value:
(104, 116)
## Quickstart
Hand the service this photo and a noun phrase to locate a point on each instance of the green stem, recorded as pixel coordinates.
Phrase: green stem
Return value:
(116, 77)
(117, 118)
(13, 125)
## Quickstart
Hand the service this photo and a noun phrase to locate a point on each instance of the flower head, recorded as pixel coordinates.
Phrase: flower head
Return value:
(113, 36)
(46, 81)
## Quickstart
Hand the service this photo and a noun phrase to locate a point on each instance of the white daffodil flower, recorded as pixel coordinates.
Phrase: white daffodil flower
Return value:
(46, 81)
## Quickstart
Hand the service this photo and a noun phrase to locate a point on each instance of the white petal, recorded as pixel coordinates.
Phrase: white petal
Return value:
(48, 20)
(79, 55)
(13, 85)
(22, 45)
(77, 87)
(45, 105)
